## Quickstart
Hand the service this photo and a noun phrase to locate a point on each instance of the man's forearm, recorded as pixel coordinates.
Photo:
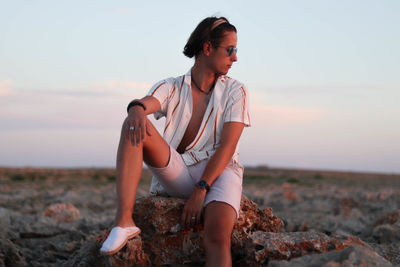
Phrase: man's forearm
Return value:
(217, 164)
(151, 103)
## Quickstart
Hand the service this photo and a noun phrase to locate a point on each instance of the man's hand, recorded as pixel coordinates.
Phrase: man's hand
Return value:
(193, 208)
(137, 127)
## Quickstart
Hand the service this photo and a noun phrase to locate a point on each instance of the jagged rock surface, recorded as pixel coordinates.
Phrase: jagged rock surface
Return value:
(366, 206)
(257, 238)
(354, 256)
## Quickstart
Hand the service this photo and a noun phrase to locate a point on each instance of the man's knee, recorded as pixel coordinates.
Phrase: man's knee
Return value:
(220, 239)
(149, 128)
(217, 227)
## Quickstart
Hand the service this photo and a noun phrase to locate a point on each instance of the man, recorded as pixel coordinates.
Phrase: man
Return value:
(197, 158)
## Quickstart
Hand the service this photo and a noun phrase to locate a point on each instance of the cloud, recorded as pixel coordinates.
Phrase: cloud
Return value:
(126, 85)
(349, 90)
(284, 115)
(5, 87)
(96, 105)
(124, 11)
(102, 89)
(120, 88)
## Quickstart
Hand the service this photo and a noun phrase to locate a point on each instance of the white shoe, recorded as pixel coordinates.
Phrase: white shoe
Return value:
(118, 238)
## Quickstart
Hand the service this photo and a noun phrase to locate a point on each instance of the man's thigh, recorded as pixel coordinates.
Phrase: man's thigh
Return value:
(174, 177)
(156, 151)
(227, 188)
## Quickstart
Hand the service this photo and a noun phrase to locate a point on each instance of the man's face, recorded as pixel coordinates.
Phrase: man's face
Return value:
(220, 60)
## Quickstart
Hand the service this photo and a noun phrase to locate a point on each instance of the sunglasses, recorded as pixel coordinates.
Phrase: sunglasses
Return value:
(230, 50)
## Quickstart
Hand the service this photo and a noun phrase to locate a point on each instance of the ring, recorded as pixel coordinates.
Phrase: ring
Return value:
(132, 128)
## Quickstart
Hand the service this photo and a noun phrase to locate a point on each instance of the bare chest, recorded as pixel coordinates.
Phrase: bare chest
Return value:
(199, 108)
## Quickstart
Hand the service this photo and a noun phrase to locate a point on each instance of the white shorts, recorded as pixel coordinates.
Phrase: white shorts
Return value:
(179, 180)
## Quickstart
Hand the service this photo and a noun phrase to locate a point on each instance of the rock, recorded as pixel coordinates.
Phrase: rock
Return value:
(256, 237)
(10, 254)
(362, 207)
(167, 243)
(289, 193)
(87, 255)
(355, 256)
(346, 205)
(390, 218)
(389, 251)
(62, 212)
(386, 233)
(262, 246)
(132, 254)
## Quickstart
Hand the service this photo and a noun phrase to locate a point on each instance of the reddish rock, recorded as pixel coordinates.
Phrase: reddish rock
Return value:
(346, 205)
(167, 243)
(256, 237)
(390, 218)
(62, 212)
(132, 254)
(282, 246)
(289, 193)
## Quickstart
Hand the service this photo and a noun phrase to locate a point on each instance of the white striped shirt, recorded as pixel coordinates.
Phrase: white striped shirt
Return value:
(229, 102)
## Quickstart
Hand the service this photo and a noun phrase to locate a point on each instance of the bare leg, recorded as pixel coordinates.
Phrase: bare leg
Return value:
(154, 151)
(219, 219)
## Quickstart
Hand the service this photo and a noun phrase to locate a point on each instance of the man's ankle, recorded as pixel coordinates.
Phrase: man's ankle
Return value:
(124, 222)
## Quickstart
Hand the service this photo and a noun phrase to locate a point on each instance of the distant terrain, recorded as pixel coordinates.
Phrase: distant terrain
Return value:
(365, 205)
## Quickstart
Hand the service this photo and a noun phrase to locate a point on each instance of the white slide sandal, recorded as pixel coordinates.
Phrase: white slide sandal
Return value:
(118, 238)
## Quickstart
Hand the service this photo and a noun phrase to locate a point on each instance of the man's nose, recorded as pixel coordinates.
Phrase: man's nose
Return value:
(234, 57)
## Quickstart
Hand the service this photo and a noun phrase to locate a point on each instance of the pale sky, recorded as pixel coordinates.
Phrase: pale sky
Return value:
(323, 78)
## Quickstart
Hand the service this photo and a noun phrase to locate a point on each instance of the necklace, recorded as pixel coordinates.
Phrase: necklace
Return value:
(206, 93)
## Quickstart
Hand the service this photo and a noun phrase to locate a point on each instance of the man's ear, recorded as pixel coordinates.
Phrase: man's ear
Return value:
(207, 48)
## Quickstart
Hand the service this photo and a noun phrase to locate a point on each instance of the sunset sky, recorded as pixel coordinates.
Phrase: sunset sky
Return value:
(323, 78)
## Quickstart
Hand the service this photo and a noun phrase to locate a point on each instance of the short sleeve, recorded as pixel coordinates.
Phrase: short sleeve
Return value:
(237, 107)
(160, 90)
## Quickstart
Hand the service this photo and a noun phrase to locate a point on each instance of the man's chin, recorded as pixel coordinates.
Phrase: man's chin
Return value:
(218, 73)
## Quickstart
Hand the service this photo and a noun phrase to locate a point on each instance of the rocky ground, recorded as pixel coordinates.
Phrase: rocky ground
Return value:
(37, 232)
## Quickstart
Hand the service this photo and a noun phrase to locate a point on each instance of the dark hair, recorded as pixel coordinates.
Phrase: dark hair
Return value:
(203, 33)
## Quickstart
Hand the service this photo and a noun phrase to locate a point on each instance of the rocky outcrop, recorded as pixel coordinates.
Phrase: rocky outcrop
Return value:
(263, 246)
(257, 239)
(314, 211)
(355, 256)
(164, 242)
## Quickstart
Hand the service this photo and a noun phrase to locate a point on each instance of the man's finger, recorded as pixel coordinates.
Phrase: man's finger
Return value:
(183, 220)
(194, 221)
(126, 132)
(132, 133)
(137, 132)
(143, 129)
(189, 219)
(134, 136)
(148, 129)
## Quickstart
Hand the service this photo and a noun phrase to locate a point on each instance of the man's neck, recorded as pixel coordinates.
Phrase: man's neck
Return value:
(203, 77)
